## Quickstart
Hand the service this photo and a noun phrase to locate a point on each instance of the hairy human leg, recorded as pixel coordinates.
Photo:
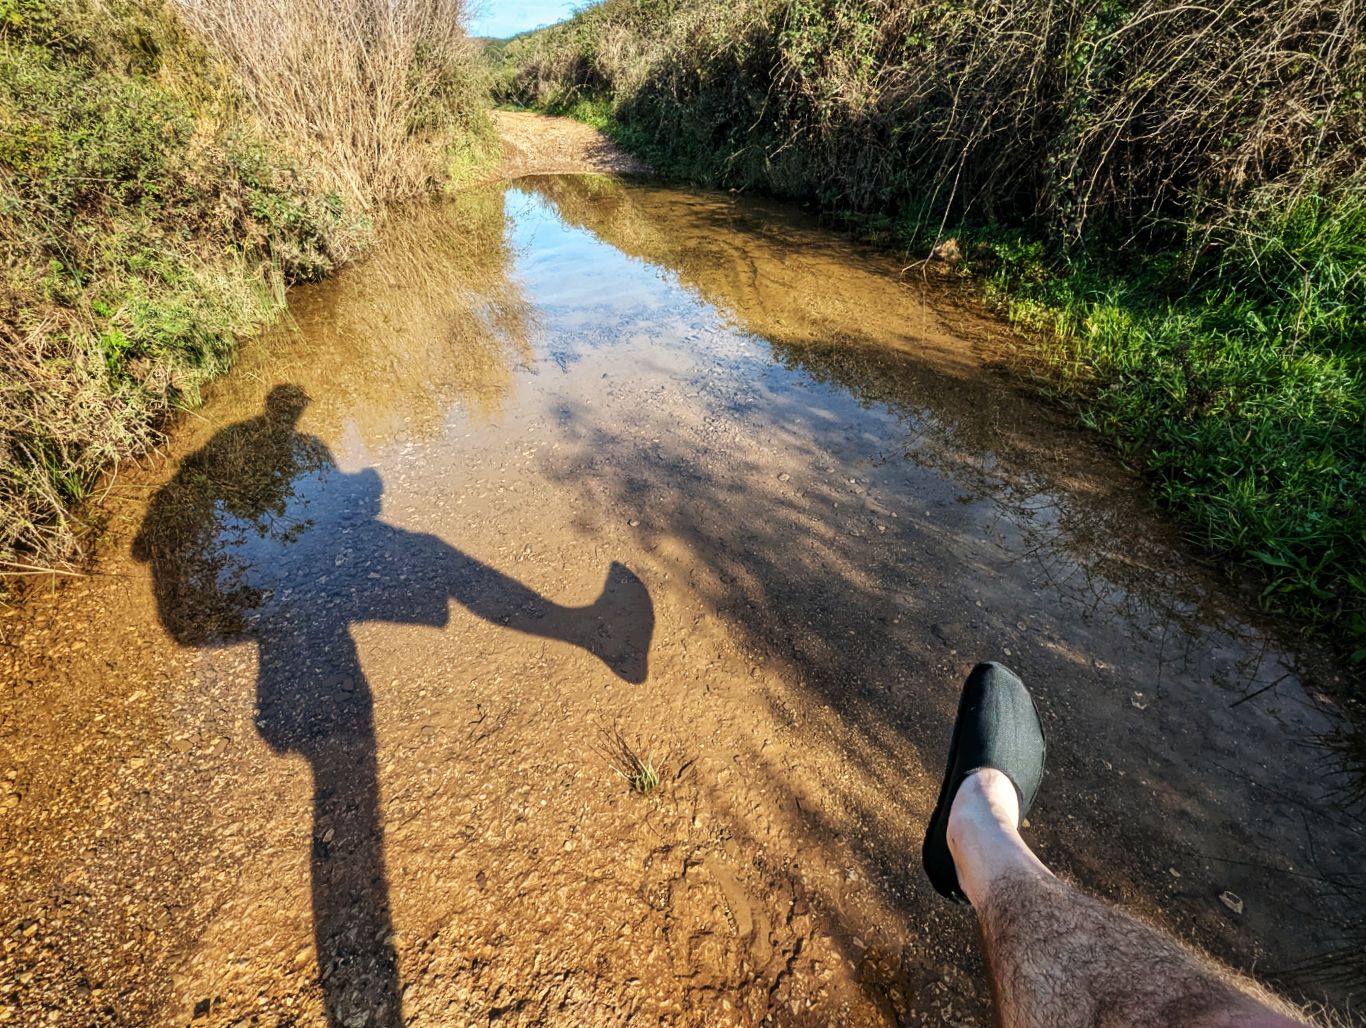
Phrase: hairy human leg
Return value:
(1059, 958)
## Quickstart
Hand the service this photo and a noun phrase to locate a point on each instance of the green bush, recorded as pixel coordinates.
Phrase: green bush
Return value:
(142, 229)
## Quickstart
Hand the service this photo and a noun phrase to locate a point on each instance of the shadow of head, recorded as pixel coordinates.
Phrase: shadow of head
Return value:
(285, 405)
(238, 484)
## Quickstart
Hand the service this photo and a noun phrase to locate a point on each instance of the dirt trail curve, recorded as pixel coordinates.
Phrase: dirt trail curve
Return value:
(570, 461)
(537, 144)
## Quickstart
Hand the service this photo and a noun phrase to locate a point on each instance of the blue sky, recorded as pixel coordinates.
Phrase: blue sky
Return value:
(501, 18)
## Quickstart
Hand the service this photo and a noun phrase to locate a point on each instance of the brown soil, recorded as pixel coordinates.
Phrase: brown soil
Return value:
(538, 144)
(336, 722)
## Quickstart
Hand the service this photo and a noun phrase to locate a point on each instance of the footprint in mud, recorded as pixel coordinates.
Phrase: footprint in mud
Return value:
(718, 935)
(749, 919)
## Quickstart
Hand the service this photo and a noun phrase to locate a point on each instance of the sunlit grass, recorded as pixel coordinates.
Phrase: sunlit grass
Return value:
(642, 773)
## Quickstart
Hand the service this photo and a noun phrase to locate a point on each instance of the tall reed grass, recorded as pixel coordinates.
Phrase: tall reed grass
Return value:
(377, 98)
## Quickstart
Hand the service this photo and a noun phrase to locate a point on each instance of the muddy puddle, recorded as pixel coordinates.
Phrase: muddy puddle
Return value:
(335, 735)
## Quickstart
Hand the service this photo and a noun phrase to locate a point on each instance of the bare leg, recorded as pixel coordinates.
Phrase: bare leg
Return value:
(1059, 958)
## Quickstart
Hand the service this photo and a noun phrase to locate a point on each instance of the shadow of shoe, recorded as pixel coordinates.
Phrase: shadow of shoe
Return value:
(622, 625)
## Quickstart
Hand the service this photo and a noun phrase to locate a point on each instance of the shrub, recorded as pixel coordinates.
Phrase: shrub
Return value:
(135, 244)
(378, 97)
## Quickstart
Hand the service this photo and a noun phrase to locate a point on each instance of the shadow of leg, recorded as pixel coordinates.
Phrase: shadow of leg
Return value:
(620, 624)
(352, 927)
(616, 628)
(313, 700)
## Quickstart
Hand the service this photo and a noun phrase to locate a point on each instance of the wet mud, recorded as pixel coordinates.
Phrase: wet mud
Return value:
(334, 735)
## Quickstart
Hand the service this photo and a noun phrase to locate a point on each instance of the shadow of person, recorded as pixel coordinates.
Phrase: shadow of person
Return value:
(260, 536)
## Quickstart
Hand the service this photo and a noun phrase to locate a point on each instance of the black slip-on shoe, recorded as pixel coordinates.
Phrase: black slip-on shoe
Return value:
(998, 726)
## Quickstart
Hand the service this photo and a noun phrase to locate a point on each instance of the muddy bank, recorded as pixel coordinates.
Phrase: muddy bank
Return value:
(571, 458)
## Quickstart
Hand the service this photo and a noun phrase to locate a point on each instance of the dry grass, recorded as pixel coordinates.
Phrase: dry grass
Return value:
(375, 97)
(1077, 114)
(157, 195)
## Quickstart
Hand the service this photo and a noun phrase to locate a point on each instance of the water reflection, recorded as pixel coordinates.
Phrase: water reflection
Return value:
(260, 536)
(927, 512)
(842, 316)
(817, 452)
(432, 322)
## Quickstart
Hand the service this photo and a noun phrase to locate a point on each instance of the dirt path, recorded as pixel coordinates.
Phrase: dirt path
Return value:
(570, 463)
(537, 144)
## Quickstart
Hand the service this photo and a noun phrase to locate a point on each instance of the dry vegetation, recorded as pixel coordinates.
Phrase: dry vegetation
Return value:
(378, 98)
(159, 186)
(1090, 112)
(1172, 196)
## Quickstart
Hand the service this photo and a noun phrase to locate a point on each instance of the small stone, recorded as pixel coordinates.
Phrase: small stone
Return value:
(784, 477)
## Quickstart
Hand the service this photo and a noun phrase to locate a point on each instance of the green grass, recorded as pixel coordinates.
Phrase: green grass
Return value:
(1188, 257)
(1237, 386)
(642, 774)
(644, 778)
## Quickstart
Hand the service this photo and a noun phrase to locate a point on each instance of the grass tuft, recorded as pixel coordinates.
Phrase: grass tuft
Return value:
(642, 774)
